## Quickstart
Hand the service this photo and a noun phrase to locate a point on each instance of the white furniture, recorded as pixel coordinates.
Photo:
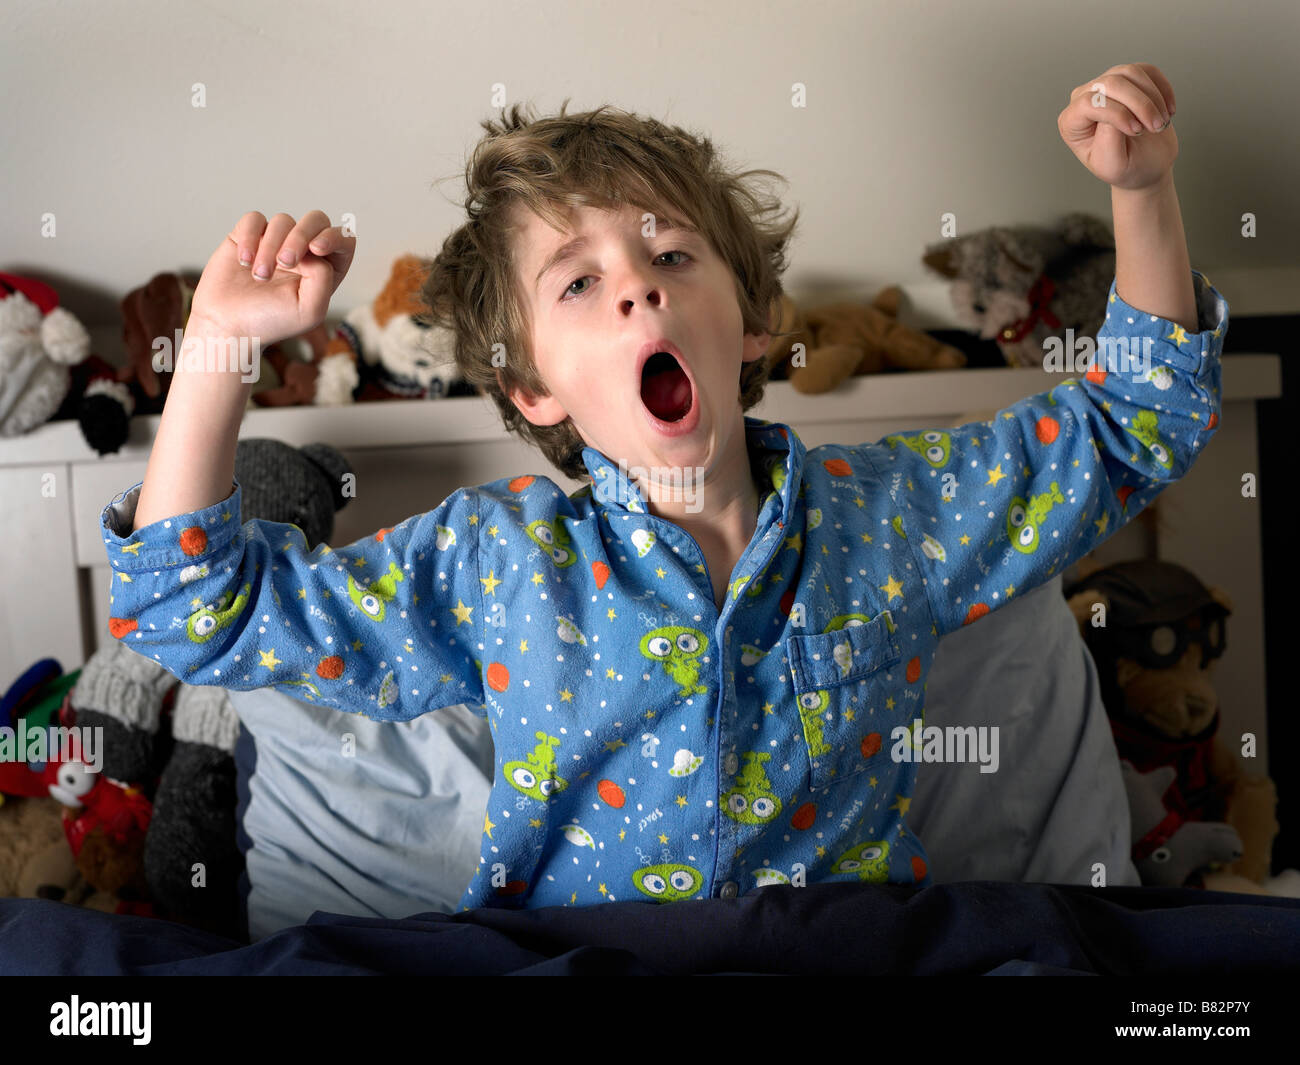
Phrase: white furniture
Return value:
(409, 455)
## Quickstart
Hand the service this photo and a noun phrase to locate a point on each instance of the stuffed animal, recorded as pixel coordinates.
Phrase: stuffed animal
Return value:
(1020, 285)
(829, 343)
(154, 311)
(386, 350)
(327, 378)
(93, 849)
(1167, 849)
(401, 355)
(190, 857)
(32, 841)
(39, 341)
(1157, 634)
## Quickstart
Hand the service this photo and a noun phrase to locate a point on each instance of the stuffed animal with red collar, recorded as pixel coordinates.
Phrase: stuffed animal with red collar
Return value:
(1021, 285)
(1154, 632)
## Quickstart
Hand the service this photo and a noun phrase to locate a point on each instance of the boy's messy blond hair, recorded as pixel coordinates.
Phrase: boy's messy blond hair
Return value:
(606, 158)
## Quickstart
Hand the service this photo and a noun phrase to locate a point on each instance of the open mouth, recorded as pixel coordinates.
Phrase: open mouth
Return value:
(665, 388)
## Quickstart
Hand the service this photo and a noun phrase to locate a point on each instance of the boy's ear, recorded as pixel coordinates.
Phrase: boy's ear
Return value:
(756, 345)
(539, 410)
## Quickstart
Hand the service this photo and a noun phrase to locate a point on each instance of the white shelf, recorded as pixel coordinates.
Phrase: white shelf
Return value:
(917, 397)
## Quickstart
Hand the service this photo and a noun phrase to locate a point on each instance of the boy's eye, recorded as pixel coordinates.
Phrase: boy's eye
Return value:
(569, 290)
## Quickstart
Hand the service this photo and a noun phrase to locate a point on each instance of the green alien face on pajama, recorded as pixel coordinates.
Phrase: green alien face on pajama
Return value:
(669, 882)
(206, 622)
(678, 649)
(752, 799)
(554, 540)
(373, 600)
(1146, 428)
(1025, 519)
(933, 446)
(538, 775)
(869, 861)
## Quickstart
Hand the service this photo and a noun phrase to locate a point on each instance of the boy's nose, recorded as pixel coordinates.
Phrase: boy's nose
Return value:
(647, 293)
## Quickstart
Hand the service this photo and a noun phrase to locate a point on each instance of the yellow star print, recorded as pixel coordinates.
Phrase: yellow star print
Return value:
(268, 659)
(489, 583)
(995, 475)
(893, 589)
(462, 612)
(488, 826)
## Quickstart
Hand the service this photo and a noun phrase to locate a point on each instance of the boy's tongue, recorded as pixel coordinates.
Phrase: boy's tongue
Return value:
(667, 394)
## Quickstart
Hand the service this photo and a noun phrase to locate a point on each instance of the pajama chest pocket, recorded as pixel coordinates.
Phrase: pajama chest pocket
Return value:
(841, 681)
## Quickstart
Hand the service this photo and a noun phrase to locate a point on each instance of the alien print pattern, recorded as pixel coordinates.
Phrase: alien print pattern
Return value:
(648, 745)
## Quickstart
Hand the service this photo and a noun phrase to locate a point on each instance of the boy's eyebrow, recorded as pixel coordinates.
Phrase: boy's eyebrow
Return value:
(572, 248)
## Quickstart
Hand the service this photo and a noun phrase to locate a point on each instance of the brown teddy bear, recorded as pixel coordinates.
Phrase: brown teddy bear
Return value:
(834, 341)
(1154, 632)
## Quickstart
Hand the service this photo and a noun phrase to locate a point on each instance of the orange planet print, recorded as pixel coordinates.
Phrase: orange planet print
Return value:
(194, 541)
(119, 627)
(977, 611)
(871, 744)
(498, 677)
(1047, 429)
(611, 794)
(838, 468)
(518, 484)
(914, 670)
(330, 668)
(804, 816)
(601, 572)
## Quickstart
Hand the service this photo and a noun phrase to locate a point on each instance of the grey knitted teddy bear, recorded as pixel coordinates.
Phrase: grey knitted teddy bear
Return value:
(1019, 285)
(191, 860)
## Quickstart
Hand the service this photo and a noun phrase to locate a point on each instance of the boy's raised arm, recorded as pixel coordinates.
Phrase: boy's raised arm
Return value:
(265, 282)
(388, 626)
(992, 509)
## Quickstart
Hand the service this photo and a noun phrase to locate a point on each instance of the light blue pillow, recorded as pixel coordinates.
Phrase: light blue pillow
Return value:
(1056, 804)
(391, 831)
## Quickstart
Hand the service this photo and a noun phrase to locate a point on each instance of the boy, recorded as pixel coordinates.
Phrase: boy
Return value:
(686, 700)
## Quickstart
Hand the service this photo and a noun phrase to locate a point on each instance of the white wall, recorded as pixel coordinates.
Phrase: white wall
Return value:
(912, 111)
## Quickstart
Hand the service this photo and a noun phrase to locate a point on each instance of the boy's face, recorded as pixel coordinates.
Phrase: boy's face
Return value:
(596, 315)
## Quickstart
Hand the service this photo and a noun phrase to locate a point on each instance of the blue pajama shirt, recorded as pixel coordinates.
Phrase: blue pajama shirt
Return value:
(647, 745)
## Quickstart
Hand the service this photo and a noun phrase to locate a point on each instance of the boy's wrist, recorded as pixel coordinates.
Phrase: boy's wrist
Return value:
(210, 352)
(1146, 192)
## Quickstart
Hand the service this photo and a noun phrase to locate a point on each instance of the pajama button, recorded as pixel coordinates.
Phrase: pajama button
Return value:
(731, 763)
(730, 890)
